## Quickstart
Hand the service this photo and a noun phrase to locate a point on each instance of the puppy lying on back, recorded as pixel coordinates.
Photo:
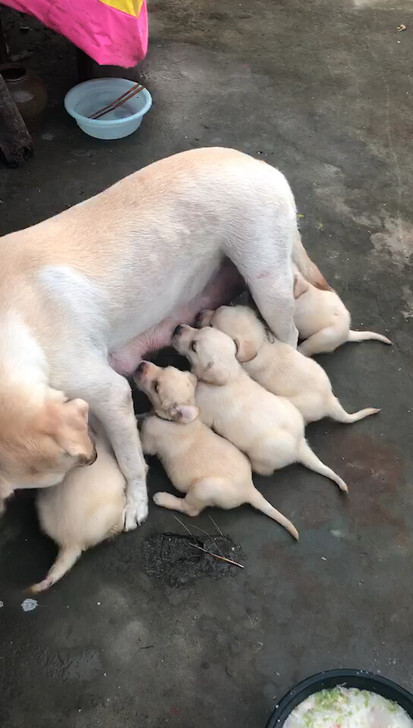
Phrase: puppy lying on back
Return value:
(323, 320)
(267, 428)
(83, 510)
(279, 367)
(199, 463)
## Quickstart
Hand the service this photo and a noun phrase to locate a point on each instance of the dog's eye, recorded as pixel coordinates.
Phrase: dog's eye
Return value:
(156, 387)
(193, 346)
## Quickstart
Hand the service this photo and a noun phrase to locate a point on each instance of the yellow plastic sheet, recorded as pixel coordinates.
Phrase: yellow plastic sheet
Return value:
(131, 7)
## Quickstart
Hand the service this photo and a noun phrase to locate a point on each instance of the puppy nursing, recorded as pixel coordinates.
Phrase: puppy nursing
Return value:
(83, 510)
(323, 321)
(207, 468)
(267, 428)
(278, 367)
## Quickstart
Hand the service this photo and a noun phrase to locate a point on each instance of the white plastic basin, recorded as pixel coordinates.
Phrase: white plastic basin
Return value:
(88, 97)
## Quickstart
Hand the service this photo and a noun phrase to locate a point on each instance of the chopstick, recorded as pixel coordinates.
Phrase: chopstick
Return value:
(132, 91)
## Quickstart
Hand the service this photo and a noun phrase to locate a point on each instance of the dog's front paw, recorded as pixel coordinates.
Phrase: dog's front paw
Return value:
(135, 513)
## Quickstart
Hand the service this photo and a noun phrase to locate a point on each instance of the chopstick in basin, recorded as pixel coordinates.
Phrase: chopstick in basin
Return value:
(132, 91)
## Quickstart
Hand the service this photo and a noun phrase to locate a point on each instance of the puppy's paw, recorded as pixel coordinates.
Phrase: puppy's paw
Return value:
(160, 498)
(135, 513)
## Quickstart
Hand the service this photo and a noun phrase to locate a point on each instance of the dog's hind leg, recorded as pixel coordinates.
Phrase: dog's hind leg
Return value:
(323, 342)
(173, 503)
(265, 265)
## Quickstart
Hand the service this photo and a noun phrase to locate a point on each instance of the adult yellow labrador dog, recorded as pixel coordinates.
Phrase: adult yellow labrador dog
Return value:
(93, 289)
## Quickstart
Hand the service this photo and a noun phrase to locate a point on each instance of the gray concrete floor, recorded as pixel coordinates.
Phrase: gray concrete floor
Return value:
(322, 90)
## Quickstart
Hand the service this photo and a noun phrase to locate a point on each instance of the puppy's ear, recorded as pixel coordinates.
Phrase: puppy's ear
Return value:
(300, 285)
(184, 413)
(200, 370)
(193, 379)
(245, 350)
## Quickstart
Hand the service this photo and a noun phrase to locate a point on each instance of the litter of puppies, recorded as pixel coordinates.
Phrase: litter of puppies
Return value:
(242, 409)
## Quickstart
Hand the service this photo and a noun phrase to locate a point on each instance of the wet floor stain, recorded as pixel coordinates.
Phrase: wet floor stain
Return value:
(177, 560)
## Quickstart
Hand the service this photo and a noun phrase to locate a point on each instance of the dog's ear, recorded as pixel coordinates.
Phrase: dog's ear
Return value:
(300, 285)
(67, 424)
(184, 413)
(199, 370)
(245, 350)
(192, 378)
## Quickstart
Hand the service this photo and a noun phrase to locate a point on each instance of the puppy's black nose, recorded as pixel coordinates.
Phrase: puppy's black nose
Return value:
(141, 367)
(178, 330)
(198, 320)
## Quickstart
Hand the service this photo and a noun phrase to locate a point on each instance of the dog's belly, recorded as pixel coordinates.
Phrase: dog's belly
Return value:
(222, 288)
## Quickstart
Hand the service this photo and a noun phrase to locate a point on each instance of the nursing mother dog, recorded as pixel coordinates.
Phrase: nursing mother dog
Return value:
(93, 289)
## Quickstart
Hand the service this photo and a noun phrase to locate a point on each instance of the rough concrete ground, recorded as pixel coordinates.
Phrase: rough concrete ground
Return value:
(323, 91)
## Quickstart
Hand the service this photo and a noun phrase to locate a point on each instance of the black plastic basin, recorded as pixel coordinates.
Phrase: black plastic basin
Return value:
(346, 678)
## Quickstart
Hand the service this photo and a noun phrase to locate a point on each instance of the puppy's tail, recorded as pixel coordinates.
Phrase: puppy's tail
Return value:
(365, 335)
(308, 458)
(258, 501)
(305, 265)
(66, 558)
(338, 413)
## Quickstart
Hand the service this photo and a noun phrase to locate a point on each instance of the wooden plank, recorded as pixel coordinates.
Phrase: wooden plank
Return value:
(15, 141)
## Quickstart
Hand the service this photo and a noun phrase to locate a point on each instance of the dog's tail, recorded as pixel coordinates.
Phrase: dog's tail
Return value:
(365, 335)
(308, 458)
(258, 501)
(66, 558)
(338, 413)
(305, 265)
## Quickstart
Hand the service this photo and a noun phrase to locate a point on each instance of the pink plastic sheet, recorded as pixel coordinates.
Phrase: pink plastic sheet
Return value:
(107, 34)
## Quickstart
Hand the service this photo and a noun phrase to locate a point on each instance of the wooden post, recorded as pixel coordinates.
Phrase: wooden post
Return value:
(15, 141)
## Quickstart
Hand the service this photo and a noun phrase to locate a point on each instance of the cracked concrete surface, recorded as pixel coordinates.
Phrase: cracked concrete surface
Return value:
(323, 91)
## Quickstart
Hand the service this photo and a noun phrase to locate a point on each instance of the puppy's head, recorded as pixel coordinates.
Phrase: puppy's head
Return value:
(211, 353)
(243, 326)
(39, 445)
(171, 392)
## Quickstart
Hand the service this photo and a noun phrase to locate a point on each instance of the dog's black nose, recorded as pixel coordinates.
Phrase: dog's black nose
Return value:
(198, 319)
(141, 367)
(178, 330)
(93, 459)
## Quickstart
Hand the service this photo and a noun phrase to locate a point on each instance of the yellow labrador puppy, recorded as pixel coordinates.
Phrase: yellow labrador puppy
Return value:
(199, 463)
(267, 428)
(279, 367)
(323, 320)
(83, 510)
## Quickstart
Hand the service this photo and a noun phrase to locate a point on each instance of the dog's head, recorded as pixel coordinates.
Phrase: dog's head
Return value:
(39, 444)
(242, 325)
(171, 392)
(211, 353)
